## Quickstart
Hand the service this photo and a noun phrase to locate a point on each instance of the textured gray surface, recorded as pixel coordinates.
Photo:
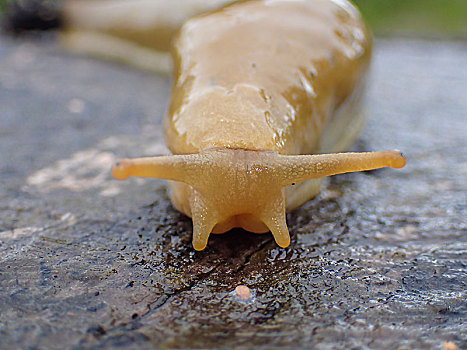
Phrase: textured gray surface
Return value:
(378, 260)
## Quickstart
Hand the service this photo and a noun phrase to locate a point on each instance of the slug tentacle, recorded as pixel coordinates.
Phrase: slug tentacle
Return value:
(204, 218)
(298, 168)
(273, 215)
(175, 167)
(239, 188)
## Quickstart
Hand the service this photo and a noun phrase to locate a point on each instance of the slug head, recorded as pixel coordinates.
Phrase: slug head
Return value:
(237, 188)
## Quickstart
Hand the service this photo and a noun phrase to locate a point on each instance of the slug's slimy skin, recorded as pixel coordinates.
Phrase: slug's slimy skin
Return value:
(261, 89)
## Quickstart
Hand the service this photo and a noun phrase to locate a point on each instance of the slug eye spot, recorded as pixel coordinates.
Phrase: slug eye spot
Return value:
(120, 170)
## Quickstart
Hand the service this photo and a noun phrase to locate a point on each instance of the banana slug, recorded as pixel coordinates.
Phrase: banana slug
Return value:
(265, 95)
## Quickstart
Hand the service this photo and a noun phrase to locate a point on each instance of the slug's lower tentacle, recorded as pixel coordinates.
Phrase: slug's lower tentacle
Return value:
(273, 215)
(204, 218)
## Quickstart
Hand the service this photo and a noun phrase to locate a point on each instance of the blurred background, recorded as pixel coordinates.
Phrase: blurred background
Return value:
(429, 19)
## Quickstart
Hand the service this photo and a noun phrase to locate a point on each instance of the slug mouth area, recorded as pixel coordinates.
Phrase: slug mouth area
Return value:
(247, 222)
(230, 188)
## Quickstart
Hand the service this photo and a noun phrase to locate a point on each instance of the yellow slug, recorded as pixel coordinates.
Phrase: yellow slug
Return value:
(262, 89)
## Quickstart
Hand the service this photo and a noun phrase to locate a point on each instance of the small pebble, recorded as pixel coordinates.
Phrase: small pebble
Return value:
(449, 345)
(243, 292)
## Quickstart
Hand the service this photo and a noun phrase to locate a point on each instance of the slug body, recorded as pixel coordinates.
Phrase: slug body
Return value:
(283, 76)
(261, 88)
